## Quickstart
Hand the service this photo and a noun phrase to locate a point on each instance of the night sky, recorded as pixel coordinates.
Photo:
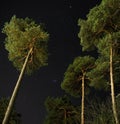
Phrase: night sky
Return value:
(60, 18)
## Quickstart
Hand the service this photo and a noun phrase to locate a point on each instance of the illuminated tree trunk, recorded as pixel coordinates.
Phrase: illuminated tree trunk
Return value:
(83, 97)
(112, 87)
(16, 89)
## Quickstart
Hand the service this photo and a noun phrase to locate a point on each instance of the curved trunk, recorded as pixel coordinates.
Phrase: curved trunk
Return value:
(112, 87)
(14, 94)
(83, 97)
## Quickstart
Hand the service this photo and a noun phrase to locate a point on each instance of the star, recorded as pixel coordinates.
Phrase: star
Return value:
(70, 6)
(54, 80)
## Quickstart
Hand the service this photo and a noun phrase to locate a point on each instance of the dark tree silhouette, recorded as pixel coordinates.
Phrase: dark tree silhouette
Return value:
(61, 111)
(15, 117)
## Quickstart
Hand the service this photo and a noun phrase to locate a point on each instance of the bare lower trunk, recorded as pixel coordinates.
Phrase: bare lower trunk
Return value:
(65, 116)
(83, 97)
(112, 89)
(13, 97)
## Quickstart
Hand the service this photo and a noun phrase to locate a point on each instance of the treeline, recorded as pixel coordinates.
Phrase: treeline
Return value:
(88, 75)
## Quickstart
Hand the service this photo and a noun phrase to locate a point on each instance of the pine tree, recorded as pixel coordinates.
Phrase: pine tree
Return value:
(101, 31)
(26, 43)
(61, 111)
(76, 82)
(15, 117)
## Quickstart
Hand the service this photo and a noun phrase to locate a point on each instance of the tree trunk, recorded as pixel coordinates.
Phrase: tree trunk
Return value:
(65, 116)
(83, 97)
(112, 87)
(15, 92)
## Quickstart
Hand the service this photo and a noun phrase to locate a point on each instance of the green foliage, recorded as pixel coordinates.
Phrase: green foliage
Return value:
(61, 111)
(99, 75)
(101, 31)
(15, 117)
(99, 112)
(118, 105)
(86, 36)
(101, 20)
(73, 75)
(22, 35)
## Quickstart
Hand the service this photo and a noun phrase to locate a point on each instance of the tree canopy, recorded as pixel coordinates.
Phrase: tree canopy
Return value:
(72, 82)
(23, 34)
(101, 20)
(100, 31)
(15, 117)
(61, 111)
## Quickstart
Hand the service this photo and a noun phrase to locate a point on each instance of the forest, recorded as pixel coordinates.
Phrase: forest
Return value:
(93, 80)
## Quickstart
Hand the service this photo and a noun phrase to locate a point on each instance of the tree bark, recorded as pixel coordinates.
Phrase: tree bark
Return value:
(112, 87)
(15, 92)
(65, 116)
(83, 97)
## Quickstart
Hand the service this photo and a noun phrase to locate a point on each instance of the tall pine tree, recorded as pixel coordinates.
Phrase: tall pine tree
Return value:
(61, 111)
(101, 30)
(76, 82)
(26, 43)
